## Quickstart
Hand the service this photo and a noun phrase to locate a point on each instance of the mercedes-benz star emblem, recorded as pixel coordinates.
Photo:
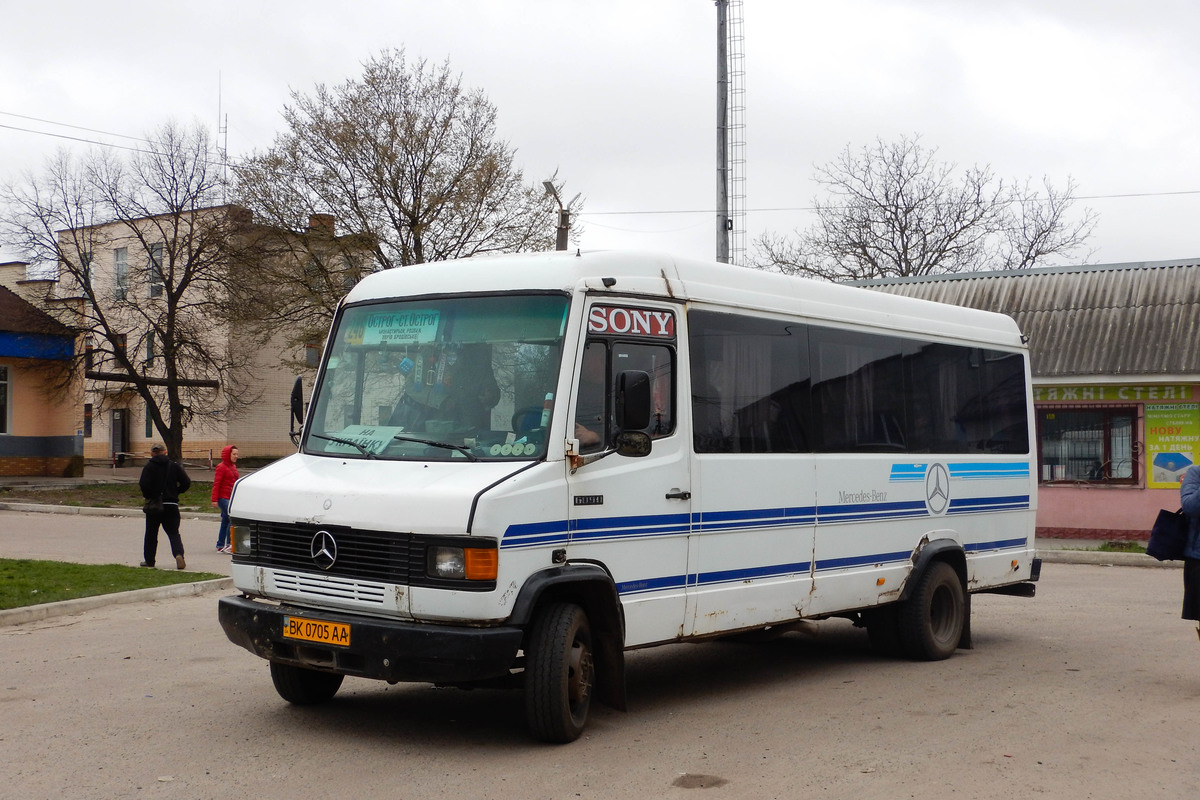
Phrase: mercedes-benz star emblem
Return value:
(323, 549)
(937, 488)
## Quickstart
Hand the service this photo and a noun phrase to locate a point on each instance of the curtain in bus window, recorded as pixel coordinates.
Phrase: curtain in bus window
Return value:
(1005, 398)
(965, 400)
(944, 383)
(749, 384)
(858, 391)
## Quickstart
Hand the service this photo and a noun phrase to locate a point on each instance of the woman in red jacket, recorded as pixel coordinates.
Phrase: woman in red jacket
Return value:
(223, 479)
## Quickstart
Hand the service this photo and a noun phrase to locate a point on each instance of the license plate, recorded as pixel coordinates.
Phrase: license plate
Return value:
(314, 630)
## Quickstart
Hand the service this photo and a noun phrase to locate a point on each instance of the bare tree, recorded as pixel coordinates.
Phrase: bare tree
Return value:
(893, 210)
(405, 155)
(142, 251)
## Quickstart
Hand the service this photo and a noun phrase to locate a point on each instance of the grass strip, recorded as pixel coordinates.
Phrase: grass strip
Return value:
(26, 582)
(104, 495)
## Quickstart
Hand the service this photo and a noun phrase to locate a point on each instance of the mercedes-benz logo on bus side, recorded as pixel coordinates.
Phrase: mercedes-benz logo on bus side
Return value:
(937, 488)
(323, 549)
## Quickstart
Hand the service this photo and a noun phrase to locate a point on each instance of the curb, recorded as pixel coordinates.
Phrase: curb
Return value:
(91, 511)
(1105, 559)
(16, 616)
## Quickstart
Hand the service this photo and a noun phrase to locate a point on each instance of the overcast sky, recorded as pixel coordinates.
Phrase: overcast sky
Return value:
(620, 96)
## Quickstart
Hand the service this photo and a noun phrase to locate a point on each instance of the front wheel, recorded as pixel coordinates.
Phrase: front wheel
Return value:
(933, 617)
(559, 673)
(304, 687)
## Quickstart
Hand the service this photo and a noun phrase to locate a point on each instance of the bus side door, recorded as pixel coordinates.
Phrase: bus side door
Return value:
(632, 515)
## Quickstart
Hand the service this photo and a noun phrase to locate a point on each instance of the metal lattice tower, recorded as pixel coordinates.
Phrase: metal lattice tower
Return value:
(736, 133)
(731, 134)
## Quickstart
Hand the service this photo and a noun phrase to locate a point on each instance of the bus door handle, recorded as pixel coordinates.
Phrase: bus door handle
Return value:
(676, 494)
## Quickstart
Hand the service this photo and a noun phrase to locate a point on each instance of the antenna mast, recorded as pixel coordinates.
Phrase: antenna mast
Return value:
(222, 140)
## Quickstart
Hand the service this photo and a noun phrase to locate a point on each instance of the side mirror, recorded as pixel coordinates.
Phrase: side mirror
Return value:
(297, 405)
(633, 443)
(633, 400)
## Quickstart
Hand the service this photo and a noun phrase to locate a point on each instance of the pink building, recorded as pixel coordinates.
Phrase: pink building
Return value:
(1115, 353)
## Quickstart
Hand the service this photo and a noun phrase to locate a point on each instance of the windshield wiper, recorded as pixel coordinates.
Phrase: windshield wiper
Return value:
(470, 456)
(361, 449)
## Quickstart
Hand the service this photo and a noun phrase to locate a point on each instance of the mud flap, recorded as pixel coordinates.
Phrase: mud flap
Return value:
(964, 640)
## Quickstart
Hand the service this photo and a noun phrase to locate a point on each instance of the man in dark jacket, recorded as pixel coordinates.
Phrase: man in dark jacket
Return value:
(162, 482)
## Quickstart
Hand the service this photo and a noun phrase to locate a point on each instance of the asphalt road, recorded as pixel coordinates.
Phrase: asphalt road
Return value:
(1090, 690)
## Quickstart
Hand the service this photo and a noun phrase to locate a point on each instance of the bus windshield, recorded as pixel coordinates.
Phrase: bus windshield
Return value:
(469, 378)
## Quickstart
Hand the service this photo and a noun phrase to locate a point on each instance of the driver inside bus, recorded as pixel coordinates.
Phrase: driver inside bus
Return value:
(459, 386)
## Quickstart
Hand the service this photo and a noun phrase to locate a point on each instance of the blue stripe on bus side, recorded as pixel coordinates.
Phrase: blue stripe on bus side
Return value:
(989, 470)
(558, 532)
(610, 528)
(975, 505)
(859, 512)
(749, 573)
(798, 568)
(902, 473)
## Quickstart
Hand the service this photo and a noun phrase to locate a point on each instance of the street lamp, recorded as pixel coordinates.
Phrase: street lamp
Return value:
(564, 217)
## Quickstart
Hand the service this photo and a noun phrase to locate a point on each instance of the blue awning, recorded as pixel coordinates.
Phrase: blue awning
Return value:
(36, 345)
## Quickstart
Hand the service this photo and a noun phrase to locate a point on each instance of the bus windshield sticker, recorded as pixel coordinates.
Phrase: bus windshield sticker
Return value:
(401, 327)
(374, 438)
(648, 322)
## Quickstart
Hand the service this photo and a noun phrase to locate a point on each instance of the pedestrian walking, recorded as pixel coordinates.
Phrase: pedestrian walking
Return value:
(224, 476)
(1189, 498)
(161, 483)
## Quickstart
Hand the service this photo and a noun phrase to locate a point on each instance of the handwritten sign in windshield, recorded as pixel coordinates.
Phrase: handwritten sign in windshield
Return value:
(401, 327)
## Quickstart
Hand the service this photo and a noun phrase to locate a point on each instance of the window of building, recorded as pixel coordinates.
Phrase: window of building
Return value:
(149, 422)
(150, 349)
(119, 343)
(89, 354)
(1088, 444)
(156, 270)
(351, 272)
(5, 401)
(87, 420)
(120, 273)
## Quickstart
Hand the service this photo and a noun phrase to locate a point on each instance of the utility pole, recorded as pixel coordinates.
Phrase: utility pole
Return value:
(564, 217)
(724, 221)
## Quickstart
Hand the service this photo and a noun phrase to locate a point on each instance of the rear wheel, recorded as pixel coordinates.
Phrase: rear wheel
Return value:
(304, 687)
(559, 673)
(933, 617)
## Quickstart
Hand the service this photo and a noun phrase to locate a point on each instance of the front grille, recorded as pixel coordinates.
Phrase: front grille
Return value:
(361, 555)
(330, 588)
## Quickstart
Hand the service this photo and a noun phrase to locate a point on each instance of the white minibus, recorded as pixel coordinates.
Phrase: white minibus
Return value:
(513, 469)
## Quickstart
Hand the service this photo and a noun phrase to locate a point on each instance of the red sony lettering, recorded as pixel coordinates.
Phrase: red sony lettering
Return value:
(598, 320)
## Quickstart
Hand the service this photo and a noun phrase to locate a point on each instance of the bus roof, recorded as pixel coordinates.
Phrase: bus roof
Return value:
(714, 285)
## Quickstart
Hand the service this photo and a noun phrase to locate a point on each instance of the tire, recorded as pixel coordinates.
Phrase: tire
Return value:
(304, 687)
(883, 629)
(560, 673)
(933, 617)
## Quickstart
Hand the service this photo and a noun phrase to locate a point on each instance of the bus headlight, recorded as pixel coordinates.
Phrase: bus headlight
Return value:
(240, 538)
(463, 563)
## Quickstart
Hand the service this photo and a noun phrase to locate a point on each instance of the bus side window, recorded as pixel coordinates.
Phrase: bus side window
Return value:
(657, 361)
(591, 404)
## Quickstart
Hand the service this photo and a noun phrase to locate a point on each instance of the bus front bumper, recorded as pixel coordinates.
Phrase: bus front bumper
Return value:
(373, 648)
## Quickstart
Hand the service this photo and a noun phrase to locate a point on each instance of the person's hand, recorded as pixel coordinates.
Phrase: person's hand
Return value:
(586, 436)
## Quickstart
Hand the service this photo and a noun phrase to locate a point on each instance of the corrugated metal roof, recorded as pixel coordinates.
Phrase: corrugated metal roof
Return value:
(1130, 319)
